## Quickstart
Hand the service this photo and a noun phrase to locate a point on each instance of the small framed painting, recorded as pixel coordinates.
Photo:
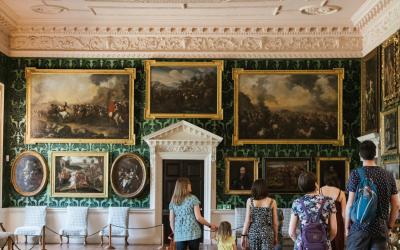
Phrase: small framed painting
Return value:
(79, 174)
(393, 167)
(333, 171)
(29, 173)
(389, 131)
(128, 175)
(183, 89)
(240, 173)
(281, 174)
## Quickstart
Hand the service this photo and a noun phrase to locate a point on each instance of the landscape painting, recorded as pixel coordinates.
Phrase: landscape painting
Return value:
(183, 89)
(79, 174)
(281, 174)
(288, 107)
(370, 82)
(79, 106)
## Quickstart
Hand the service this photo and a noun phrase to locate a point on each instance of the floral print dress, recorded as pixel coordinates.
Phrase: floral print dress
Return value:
(313, 203)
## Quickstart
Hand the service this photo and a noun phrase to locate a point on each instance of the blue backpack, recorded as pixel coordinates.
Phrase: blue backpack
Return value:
(365, 205)
(313, 233)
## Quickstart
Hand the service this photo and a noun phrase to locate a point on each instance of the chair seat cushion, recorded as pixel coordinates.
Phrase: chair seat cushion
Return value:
(73, 231)
(116, 231)
(29, 230)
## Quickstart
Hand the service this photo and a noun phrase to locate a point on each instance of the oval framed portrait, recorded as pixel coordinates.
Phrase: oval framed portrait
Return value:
(29, 173)
(128, 175)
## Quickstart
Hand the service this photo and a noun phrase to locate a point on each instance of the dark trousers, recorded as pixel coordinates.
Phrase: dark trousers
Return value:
(361, 240)
(192, 244)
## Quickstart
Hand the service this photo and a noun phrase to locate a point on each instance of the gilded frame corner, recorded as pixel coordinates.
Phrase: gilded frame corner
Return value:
(338, 141)
(148, 64)
(54, 193)
(374, 53)
(29, 139)
(145, 175)
(228, 161)
(382, 131)
(318, 166)
(44, 169)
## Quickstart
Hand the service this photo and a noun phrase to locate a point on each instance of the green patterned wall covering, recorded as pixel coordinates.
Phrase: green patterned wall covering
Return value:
(15, 126)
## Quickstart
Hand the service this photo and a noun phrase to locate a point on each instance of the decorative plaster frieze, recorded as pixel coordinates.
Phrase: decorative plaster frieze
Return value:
(4, 43)
(216, 46)
(377, 20)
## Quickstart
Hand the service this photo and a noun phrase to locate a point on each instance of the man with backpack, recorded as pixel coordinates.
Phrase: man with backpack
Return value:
(373, 203)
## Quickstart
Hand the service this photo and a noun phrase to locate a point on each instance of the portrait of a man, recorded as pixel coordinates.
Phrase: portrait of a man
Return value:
(389, 131)
(241, 172)
(333, 171)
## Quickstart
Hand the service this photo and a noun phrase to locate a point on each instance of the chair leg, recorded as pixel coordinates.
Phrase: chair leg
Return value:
(61, 240)
(101, 240)
(40, 240)
(26, 239)
(16, 238)
(85, 240)
(126, 240)
(67, 239)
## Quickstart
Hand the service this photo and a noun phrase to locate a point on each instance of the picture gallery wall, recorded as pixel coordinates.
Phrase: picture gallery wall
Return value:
(68, 140)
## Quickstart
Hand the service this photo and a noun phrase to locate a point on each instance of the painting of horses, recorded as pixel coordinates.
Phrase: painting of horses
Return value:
(79, 106)
(183, 89)
(79, 174)
(288, 106)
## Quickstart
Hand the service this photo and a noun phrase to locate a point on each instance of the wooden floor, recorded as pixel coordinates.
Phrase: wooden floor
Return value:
(93, 246)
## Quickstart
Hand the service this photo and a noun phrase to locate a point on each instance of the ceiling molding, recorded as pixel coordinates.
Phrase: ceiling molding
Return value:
(4, 43)
(187, 42)
(379, 23)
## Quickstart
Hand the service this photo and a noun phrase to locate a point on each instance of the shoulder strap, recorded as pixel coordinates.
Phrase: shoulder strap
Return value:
(320, 190)
(251, 202)
(361, 173)
(305, 210)
(340, 191)
(270, 202)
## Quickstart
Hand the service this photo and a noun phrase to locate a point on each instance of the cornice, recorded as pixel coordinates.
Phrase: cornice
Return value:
(186, 42)
(4, 43)
(379, 23)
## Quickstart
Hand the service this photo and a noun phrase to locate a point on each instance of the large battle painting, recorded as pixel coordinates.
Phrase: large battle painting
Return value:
(81, 106)
(183, 89)
(280, 107)
(79, 174)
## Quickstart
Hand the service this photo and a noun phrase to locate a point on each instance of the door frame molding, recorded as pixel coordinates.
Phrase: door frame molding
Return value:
(183, 141)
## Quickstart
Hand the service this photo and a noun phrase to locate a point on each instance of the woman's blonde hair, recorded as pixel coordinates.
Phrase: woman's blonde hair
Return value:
(224, 231)
(181, 190)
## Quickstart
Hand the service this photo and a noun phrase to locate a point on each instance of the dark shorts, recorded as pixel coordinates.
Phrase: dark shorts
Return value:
(192, 244)
(361, 240)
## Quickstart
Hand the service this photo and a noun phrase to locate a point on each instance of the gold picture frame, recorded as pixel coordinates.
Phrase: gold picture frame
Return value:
(341, 176)
(131, 168)
(29, 173)
(103, 112)
(389, 129)
(241, 185)
(370, 92)
(79, 174)
(196, 104)
(257, 126)
(393, 167)
(390, 56)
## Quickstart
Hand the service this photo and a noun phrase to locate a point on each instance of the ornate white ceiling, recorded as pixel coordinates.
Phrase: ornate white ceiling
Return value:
(194, 28)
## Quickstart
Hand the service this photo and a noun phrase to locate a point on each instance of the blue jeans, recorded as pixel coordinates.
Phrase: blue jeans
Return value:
(192, 244)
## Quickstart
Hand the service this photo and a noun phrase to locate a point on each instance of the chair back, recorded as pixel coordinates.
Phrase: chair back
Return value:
(286, 220)
(118, 216)
(77, 217)
(35, 216)
(240, 215)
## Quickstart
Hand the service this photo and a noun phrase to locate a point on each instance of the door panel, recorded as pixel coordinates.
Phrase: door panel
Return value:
(172, 170)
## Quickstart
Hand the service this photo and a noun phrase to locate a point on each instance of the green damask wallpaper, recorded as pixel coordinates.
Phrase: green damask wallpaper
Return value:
(15, 125)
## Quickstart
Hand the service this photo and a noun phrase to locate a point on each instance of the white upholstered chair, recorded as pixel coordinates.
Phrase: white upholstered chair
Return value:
(35, 219)
(76, 225)
(6, 238)
(118, 216)
(240, 215)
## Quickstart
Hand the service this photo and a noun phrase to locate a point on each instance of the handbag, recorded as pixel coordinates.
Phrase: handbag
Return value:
(172, 245)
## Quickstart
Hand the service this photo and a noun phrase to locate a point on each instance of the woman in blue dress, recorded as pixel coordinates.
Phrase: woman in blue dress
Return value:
(185, 216)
